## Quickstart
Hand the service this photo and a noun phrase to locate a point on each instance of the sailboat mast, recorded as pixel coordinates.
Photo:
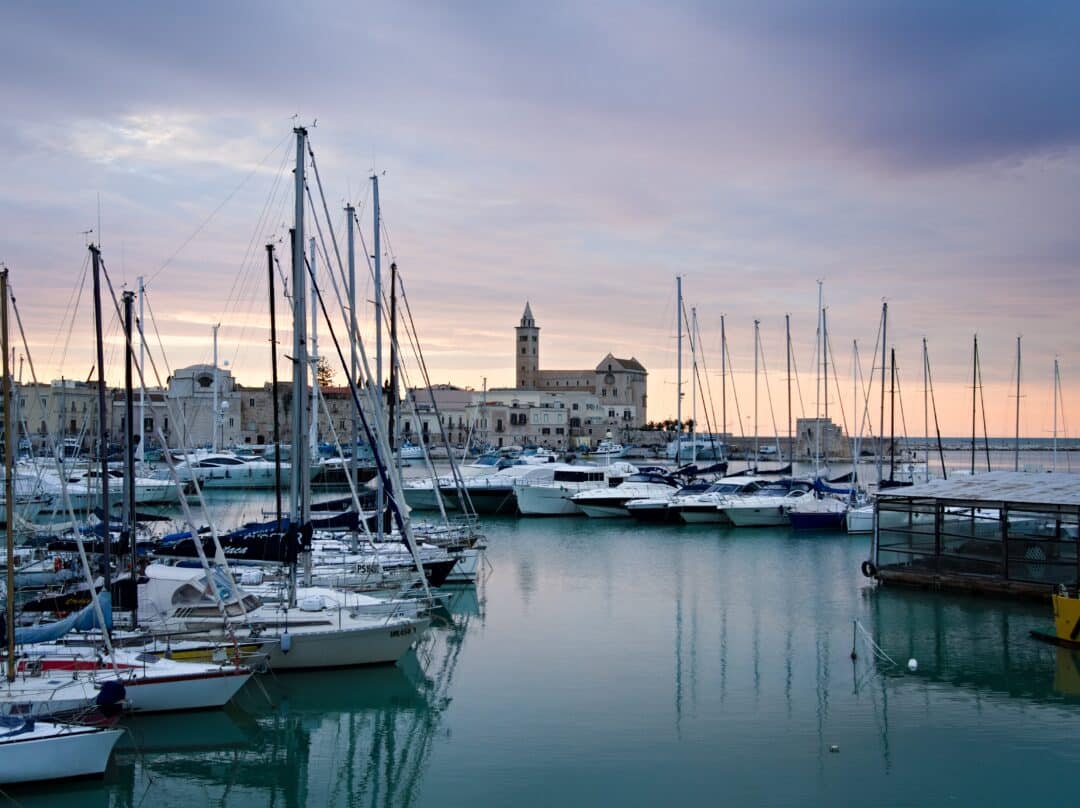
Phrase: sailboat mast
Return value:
(380, 491)
(313, 360)
(817, 382)
(678, 366)
(791, 437)
(298, 507)
(756, 351)
(881, 417)
(825, 366)
(103, 431)
(926, 407)
(1016, 449)
(9, 478)
(350, 215)
(892, 414)
(723, 378)
(392, 413)
(274, 384)
(128, 529)
(693, 384)
(216, 420)
(141, 449)
(1057, 386)
(974, 393)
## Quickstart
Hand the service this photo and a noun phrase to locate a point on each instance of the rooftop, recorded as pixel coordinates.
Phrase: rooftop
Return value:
(1059, 489)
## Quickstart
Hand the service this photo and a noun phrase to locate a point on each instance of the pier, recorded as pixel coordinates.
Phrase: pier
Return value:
(1001, 533)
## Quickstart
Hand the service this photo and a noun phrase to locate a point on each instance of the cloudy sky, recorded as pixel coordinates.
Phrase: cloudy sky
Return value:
(579, 156)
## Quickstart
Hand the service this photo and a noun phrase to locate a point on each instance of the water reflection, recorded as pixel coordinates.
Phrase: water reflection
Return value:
(983, 647)
(345, 737)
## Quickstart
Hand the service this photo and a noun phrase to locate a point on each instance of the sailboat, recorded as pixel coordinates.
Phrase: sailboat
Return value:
(33, 750)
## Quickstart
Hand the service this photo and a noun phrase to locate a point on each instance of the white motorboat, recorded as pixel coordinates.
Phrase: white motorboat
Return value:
(767, 508)
(83, 486)
(32, 751)
(611, 502)
(860, 519)
(702, 508)
(702, 446)
(228, 470)
(554, 497)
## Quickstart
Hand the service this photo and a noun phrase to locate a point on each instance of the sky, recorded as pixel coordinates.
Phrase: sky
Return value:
(577, 156)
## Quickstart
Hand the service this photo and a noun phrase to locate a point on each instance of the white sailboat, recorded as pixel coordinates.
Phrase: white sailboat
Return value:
(32, 751)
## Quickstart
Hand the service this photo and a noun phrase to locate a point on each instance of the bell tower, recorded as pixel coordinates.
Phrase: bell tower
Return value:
(527, 350)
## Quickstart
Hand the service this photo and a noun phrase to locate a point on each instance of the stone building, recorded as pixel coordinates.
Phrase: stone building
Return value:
(609, 397)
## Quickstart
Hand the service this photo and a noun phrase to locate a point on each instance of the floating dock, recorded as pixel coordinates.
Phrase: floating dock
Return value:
(999, 533)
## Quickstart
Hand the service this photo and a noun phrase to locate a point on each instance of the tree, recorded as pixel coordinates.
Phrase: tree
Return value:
(324, 373)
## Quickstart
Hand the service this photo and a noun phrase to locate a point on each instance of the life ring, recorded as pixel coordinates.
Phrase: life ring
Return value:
(868, 569)
(58, 564)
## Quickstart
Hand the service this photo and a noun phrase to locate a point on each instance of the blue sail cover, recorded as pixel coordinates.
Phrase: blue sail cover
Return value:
(822, 487)
(83, 620)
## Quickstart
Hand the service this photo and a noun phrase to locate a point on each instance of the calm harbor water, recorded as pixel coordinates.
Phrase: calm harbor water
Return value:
(606, 662)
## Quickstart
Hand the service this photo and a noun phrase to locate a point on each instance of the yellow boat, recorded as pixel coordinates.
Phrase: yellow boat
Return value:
(1066, 621)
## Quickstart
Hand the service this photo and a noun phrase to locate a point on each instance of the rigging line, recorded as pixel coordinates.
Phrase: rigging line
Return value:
(216, 210)
(937, 426)
(411, 331)
(70, 320)
(768, 395)
(982, 406)
(734, 393)
(705, 388)
(246, 259)
(836, 382)
(189, 518)
(798, 384)
(157, 335)
(900, 398)
(392, 486)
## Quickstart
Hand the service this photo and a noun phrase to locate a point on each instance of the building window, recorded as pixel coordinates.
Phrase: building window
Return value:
(558, 430)
(523, 353)
(545, 431)
(523, 338)
(611, 413)
(535, 338)
(251, 402)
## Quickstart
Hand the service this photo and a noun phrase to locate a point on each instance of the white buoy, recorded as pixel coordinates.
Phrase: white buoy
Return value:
(913, 664)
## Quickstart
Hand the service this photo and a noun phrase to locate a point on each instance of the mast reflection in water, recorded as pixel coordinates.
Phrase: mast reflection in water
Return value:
(357, 737)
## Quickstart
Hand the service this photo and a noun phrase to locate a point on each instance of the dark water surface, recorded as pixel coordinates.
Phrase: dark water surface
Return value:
(603, 662)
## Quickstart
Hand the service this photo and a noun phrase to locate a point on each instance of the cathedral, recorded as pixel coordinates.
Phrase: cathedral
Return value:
(618, 384)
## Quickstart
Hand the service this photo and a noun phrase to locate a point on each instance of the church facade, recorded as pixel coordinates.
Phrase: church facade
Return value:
(618, 384)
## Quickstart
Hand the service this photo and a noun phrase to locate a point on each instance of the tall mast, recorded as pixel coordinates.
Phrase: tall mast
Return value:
(128, 522)
(926, 406)
(790, 436)
(974, 393)
(392, 399)
(313, 360)
(217, 413)
(350, 215)
(693, 384)
(723, 378)
(380, 498)
(103, 430)
(825, 367)
(892, 414)
(1016, 450)
(817, 382)
(881, 419)
(274, 383)
(756, 324)
(1057, 386)
(298, 507)
(141, 449)
(678, 366)
(9, 478)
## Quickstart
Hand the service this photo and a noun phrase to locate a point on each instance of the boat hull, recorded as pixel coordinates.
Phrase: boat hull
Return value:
(204, 691)
(817, 521)
(703, 515)
(547, 501)
(367, 645)
(74, 752)
(765, 516)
